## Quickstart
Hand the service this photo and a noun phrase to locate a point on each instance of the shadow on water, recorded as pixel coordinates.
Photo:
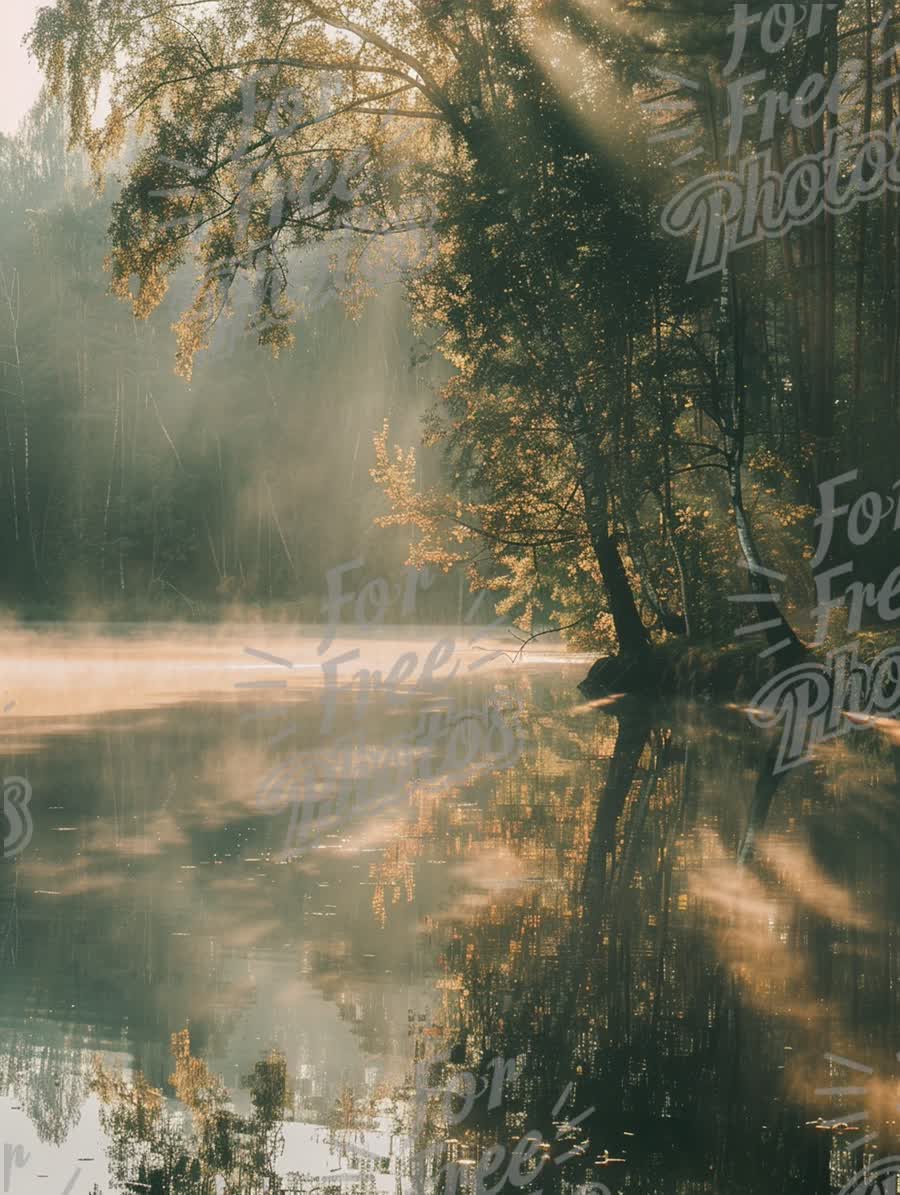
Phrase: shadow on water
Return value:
(763, 794)
(682, 949)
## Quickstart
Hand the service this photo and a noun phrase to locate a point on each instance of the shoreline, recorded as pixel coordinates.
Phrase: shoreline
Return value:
(716, 671)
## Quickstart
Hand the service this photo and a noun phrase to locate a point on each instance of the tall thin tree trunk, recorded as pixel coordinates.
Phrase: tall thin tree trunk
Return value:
(112, 465)
(861, 233)
(772, 623)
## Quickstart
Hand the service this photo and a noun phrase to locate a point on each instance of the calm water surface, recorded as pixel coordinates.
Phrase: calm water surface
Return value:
(617, 896)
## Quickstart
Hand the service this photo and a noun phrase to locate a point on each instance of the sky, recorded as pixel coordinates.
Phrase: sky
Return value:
(20, 79)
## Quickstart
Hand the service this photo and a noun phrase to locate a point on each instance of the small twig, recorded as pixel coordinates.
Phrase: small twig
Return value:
(549, 631)
(524, 642)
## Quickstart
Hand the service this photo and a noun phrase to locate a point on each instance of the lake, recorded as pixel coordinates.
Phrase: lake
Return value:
(499, 936)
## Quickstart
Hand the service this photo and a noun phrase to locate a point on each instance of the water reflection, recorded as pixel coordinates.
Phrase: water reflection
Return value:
(660, 931)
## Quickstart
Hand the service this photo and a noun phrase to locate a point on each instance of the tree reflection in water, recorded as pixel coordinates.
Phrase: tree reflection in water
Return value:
(692, 970)
(151, 1149)
(677, 939)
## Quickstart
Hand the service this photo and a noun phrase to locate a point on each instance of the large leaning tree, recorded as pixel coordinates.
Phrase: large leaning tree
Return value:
(251, 130)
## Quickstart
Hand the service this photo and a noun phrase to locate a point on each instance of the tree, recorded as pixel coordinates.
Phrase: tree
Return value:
(230, 101)
(539, 140)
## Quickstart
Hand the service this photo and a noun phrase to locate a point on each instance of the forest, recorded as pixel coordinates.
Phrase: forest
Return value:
(439, 237)
(347, 349)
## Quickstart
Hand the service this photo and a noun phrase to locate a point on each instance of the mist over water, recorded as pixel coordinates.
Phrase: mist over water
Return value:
(626, 848)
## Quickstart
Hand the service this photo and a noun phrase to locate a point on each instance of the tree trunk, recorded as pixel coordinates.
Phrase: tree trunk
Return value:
(631, 633)
(630, 630)
(778, 631)
(772, 623)
(862, 228)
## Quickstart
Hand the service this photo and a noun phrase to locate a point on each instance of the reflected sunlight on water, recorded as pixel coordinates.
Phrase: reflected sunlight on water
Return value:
(632, 908)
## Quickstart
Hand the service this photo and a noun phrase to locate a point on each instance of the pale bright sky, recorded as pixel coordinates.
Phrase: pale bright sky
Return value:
(20, 79)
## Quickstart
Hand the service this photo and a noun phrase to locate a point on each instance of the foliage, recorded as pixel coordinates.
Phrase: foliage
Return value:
(614, 434)
(149, 1143)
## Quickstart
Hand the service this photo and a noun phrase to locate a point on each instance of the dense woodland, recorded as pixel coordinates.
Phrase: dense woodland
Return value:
(615, 436)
